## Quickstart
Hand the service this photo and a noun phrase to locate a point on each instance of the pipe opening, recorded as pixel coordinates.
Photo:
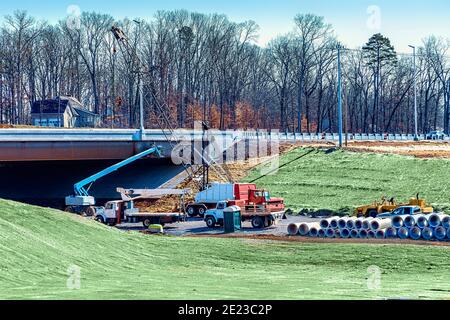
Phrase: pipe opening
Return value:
(397, 222)
(415, 233)
(314, 232)
(403, 233)
(422, 222)
(391, 232)
(440, 233)
(345, 233)
(427, 233)
(293, 229)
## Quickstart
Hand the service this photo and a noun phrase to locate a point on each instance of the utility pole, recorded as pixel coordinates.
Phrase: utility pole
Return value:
(447, 109)
(141, 105)
(339, 97)
(416, 130)
(141, 91)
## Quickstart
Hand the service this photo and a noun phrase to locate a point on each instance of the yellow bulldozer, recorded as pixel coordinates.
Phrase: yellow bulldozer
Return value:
(388, 205)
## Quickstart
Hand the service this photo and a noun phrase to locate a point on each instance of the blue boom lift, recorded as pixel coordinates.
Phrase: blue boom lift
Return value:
(81, 202)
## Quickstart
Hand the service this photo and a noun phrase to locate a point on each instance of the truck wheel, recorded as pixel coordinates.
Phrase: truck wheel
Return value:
(201, 212)
(191, 211)
(100, 219)
(69, 210)
(89, 212)
(211, 222)
(258, 223)
(147, 223)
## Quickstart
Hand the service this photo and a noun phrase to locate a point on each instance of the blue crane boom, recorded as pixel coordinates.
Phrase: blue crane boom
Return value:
(81, 189)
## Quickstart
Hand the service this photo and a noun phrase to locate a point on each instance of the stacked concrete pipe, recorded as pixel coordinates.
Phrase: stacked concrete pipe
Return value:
(427, 227)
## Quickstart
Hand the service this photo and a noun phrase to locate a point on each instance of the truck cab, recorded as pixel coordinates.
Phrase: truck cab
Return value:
(402, 211)
(215, 216)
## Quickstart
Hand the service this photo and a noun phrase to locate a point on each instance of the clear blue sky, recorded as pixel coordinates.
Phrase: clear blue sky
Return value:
(405, 22)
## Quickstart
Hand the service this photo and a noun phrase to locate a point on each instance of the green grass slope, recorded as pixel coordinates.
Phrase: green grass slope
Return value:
(38, 246)
(341, 179)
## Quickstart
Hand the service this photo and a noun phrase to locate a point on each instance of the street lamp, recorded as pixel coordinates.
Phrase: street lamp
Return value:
(141, 90)
(339, 95)
(416, 135)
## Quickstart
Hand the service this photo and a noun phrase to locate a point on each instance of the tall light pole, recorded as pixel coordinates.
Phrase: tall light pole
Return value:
(339, 96)
(416, 135)
(141, 91)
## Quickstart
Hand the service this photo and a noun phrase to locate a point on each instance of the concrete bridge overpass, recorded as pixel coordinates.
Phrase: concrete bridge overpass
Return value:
(22, 145)
(40, 166)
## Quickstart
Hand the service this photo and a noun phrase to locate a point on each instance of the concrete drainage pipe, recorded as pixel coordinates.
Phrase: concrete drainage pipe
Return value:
(403, 233)
(293, 229)
(363, 234)
(330, 233)
(334, 223)
(440, 233)
(305, 228)
(422, 221)
(342, 222)
(391, 233)
(380, 234)
(371, 234)
(415, 233)
(427, 233)
(377, 224)
(354, 234)
(445, 221)
(435, 219)
(359, 223)
(398, 221)
(351, 223)
(314, 232)
(410, 221)
(345, 233)
(326, 223)
(322, 233)
(366, 223)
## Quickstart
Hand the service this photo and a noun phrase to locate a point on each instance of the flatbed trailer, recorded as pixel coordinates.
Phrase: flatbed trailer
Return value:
(260, 217)
(148, 219)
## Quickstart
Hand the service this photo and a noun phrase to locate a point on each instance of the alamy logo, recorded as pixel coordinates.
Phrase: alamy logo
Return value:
(73, 277)
(374, 279)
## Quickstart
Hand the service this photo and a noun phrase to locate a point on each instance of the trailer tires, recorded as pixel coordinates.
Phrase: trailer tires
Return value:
(258, 223)
(89, 212)
(211, 222)
(147, 223)
(191, 211)
(201, 212)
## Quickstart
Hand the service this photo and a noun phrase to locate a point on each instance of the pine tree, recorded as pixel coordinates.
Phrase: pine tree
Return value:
(379, 53)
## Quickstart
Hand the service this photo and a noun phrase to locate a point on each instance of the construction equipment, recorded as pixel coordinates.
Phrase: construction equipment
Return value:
(390, 205)
(128, 210)
(81, 202)
(256, 204)
(154, 194)
(163, 119)
(117, 212)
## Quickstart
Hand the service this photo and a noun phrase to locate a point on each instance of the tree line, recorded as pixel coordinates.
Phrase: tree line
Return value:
(209, 68)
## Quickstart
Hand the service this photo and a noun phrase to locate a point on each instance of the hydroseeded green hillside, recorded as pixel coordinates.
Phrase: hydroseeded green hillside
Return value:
(41, 247)
(345, 180)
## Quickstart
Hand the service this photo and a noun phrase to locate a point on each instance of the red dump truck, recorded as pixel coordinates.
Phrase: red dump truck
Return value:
(253, 202)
